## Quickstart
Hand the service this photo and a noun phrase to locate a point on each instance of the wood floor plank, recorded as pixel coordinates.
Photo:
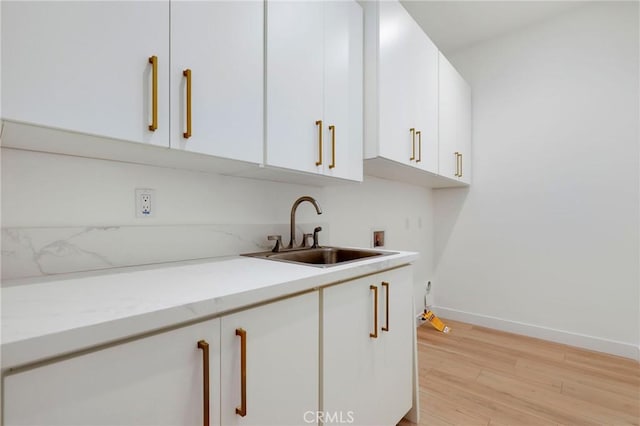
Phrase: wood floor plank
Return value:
(599, 357)
(613, 368)
(479, 376)
(554, 407)
(481, 350)
(578, 374)
(469, 364)
(513, 398)
(596, 395)
(495, 410)
(521, 344)
(452, 411)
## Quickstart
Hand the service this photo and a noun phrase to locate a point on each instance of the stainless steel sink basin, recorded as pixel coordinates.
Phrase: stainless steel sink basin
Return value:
(321, 256)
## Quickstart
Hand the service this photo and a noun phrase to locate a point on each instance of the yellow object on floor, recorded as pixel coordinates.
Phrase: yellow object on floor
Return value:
(435, 321)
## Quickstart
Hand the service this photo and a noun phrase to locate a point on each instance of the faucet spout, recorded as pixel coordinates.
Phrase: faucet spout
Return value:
(292, 241)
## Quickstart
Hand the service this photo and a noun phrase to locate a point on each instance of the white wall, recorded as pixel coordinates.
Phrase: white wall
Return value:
(63, 214)
(403, 211)
(546, 240)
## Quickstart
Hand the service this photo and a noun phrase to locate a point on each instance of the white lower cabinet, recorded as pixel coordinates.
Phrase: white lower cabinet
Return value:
(282, 363)
(343, 354)
(367, 349)
(157, 380)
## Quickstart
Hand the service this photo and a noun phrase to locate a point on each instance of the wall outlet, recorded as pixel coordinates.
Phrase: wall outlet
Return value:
(377, 238)
(145, 202)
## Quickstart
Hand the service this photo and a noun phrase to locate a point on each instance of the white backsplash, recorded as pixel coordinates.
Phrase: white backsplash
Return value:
(39, 251)
(63, 214)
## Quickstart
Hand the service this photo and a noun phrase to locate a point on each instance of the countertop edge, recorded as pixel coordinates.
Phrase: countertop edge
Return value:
(20, 353)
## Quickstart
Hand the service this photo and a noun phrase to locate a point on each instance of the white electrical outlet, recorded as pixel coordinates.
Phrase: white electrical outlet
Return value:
(145, 202)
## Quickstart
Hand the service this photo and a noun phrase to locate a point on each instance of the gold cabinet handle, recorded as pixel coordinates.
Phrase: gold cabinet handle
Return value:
(202, 344)
(187, 74)
(419, 133)
(385, 285)
(153, 60)
(319, 124)
(375, 311)
(242, 409)
(457, 154)
(332, 129)
(413, 143)
(460, 175)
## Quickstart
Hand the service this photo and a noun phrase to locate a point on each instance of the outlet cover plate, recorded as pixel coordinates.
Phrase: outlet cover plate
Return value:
(145, 202)
(377, 237)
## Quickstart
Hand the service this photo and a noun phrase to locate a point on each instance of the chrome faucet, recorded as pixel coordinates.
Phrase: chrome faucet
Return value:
(292, 241)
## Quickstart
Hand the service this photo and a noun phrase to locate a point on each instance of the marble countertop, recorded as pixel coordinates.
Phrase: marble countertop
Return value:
(41, 320)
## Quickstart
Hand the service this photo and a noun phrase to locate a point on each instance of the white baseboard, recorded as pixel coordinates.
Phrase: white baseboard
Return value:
(560, 336)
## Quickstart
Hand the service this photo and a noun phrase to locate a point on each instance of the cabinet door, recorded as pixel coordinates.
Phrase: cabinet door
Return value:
(282, 363)
(222, 43)
(396, 94)
(84, 66)
(395, 352)
(349, 364)
(156, 380)
(294, 85)
(343, 89)
(426, 98)
(368, 379)
(455, 123)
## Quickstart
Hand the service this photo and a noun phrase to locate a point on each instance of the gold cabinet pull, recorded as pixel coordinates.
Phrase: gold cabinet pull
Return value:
(413, 144)
(375, 311)
(419, 133)
(457, 174)
(460, 156)
(332, 129)
(153, 60)
(319, 124)
(385, 285)
(242, 409)
(187, 74)
(202, 344)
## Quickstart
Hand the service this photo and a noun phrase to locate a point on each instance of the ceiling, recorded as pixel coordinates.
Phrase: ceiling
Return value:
(454, 25)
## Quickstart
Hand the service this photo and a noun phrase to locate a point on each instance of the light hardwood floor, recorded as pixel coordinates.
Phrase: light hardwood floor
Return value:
(479, 376)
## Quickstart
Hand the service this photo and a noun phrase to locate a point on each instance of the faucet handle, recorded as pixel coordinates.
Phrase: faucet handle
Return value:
(278, 240)
(315, 236)
(305, 239)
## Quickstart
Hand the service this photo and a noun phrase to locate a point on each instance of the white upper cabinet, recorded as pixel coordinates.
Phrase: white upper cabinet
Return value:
(395, 89)
(221, 43)
(402, 122)
(426, 101)
(343, 90)
(455, 124)
(295, 78)
(314, 87)
(84, 66)
(405, 97)
(192, 76)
